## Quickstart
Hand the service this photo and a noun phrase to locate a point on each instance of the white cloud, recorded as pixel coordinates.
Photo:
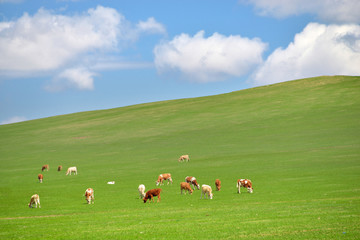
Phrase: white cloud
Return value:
(318, 50)
(80, 78)
(13, 120)
(334, 11)
(209, 59)
(151, 26)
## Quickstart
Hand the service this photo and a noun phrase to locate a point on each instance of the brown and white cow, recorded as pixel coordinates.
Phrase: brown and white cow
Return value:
(59, 168)
(218, 184)
(89, 195)
(192, 181)
(185, 186)
(153, 193)
(246, 183)
(141, 190)
(40, 177)
(45, 167)
(71, 170)
(162, 177)
(184, 158)
(206, 191)
(35, 199)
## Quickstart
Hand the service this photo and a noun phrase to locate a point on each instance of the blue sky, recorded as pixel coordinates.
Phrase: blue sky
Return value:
(59, 57)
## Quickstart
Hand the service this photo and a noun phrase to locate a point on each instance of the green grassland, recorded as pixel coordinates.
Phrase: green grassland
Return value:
(298, 141)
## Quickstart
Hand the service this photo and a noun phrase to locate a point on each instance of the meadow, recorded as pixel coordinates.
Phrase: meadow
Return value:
(298, 141)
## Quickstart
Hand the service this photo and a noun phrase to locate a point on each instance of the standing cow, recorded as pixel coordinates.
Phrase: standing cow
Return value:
(35, 199)
(71, 170)
(184, 158)
(192, 181)
(59, 168)
(89, 195)
(45, 167)
(40, 177)
(151, 194)
(141, 190)
(162, 177)
(185, 186)
(206, 191)
(246, 183)
(218, 184)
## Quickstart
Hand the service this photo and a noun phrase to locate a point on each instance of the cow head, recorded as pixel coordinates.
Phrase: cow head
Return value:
(211, 195)
(88, 198)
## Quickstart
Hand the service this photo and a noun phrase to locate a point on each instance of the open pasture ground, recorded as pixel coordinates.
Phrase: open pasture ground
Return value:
(299, 143)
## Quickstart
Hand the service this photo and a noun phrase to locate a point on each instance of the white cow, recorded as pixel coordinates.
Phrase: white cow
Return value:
(35, 199)
(71, 170)
(141, 190)
(206, 190)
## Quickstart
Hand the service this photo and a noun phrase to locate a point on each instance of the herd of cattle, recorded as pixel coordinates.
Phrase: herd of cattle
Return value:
(188, 186)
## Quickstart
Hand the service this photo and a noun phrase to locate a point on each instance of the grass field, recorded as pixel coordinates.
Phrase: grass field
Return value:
(299, 143)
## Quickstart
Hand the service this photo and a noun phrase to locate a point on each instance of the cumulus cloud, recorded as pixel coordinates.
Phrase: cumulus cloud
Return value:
(209, 59)
(334, 11)
(318, 50)
(13, 120)
(49, 43)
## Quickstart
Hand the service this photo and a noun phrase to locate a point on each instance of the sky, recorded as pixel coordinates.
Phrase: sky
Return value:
(65, 56)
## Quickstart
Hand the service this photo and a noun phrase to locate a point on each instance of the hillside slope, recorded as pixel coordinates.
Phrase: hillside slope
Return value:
(297, 141)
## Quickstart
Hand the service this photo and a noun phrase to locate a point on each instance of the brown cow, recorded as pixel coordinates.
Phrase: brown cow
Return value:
(151, 193)
(184, 158)
(246, 183)
(218, 184)
(45, 167)
(89, 195)
(59, 168)
(40, 177)
(162, 177)
(185, 186)
(192, 181)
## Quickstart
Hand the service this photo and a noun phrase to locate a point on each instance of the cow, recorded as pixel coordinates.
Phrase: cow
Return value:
(71, 170)
(45, 167)
(206, 190)
(184, 158)
(185, 186)
(59, 168)
(141, 190)
(218, 184)
(89, 195)
(246, 183)
(192, 181)
(153, 193)
(162, 177)
(35, 199)
(40, 177)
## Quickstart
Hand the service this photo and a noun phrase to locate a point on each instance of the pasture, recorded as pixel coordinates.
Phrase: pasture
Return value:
(299, 143)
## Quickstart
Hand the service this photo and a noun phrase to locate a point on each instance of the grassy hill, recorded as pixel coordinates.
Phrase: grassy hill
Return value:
(298, 141)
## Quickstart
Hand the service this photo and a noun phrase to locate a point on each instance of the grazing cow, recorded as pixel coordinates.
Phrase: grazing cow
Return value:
(141, 190)
(35, 199)
(246, 183)
(153, 193)
(218, 184)
(184, 158)
(185, 186)
(71, 170)
(111, 182)
(89, 195)
(59, 168)
(206, 190)
(45, 167)
(40, 177)
(192, 181)
(162, 177)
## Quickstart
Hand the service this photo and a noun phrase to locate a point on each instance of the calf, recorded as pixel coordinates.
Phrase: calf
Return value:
(40, 177)
(59, 168)
(35, 199)
(71, 170)
(162, 177)
(89, 195)
(206, 190)
(141, 190)
(218, 184)
(184, 158)
(246, 183)
(45, 167)
(185, 186)
(192, 181)
(151, 193)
